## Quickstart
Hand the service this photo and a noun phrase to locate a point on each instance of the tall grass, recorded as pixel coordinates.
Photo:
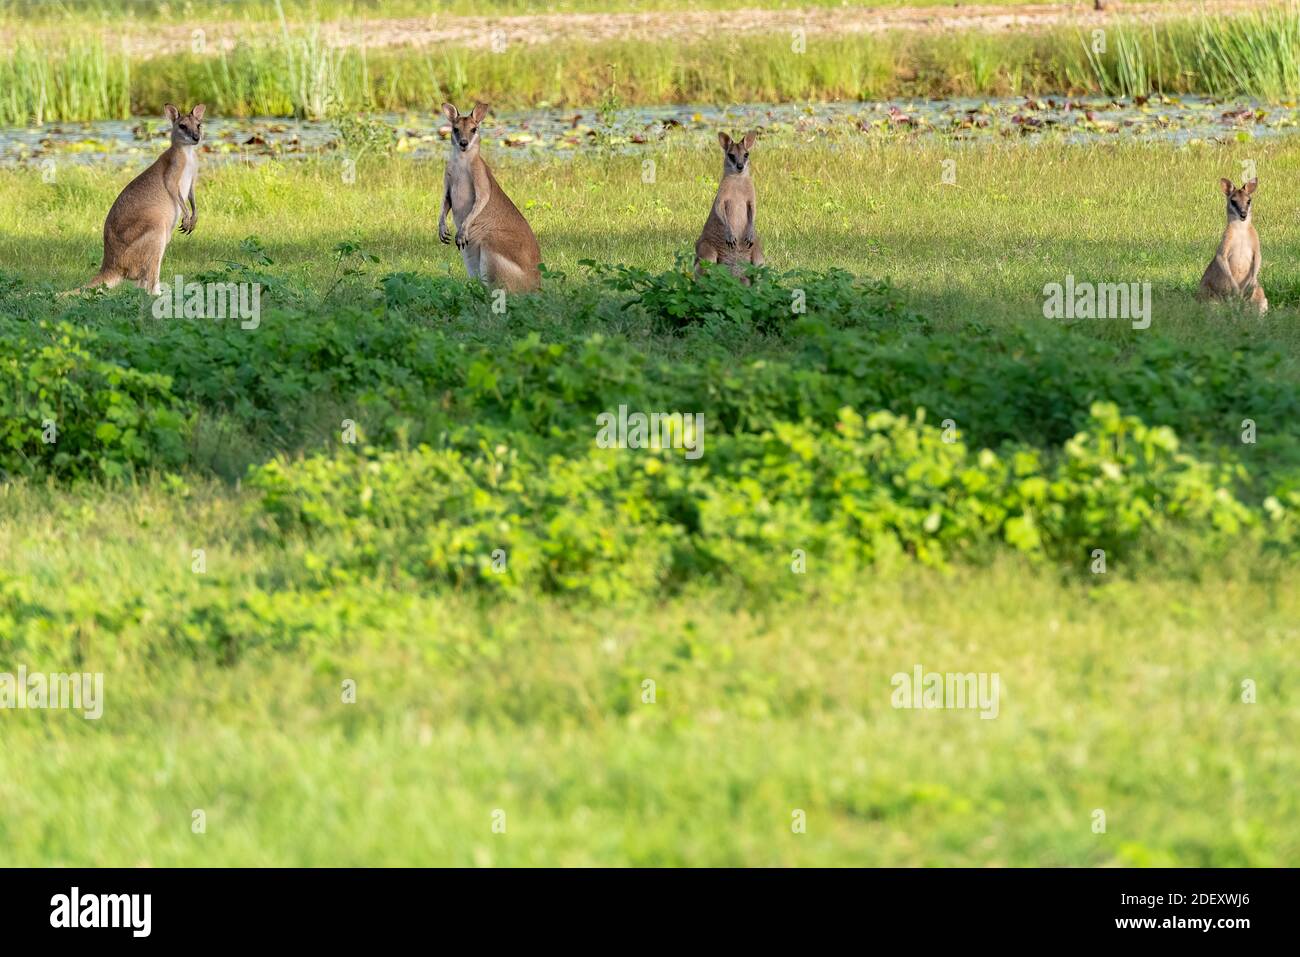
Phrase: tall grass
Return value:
(84, 80)
(298, 73)
(1255, 54)
(1125, 73)
(314, 72)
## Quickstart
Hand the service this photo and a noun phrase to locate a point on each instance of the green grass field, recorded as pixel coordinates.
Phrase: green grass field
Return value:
(1015, 218)
(536, 709)
(1122, 692)
(366, 588)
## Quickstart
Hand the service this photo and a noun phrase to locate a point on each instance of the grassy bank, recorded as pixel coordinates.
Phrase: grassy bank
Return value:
(300, 74)
(1018, 216)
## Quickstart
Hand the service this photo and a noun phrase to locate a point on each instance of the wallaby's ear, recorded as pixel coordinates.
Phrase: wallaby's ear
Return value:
(450, 111)
(480, 111)
(198, 111)
(173, 114)
(724, 141)
(748, 141)
(1250, 187)
(1226, 186)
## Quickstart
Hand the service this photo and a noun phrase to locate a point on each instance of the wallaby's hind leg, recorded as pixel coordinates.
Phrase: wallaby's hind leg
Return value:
(500, 272)
(150, 275)
(705, 253)
(473, 257)
(488, 269)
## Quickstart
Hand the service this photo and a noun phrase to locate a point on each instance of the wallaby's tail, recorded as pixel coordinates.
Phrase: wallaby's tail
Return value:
(106, 277)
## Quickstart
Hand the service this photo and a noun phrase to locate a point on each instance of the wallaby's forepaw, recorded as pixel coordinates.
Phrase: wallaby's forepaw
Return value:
(444, 234)
(462, 239)
(187, 224)
(731, 240)
(751, 237)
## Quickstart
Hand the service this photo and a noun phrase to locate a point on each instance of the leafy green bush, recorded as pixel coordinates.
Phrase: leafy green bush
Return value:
(607, 522)
(430, 356)
(770, 303)
(408, 293)
(886, 485)
(66, 412)
(197, 617)
(277, 380)
(490, 518)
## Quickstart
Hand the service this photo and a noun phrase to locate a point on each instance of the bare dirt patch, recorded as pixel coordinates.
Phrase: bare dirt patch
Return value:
(683, 26)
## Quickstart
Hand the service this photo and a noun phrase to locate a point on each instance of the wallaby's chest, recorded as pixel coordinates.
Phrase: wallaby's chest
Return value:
(187, 175)
(460, 184)
(1239, 250)
(735, 198)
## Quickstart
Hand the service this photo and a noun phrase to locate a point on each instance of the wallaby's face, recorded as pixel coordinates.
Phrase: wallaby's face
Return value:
(1238, 200)
(464, 128)
(735, 153)
(187, 130)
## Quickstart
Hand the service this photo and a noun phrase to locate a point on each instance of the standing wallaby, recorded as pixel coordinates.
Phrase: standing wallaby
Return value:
(729, 235)
(493, 237)
(1234, 271)
(141, 221)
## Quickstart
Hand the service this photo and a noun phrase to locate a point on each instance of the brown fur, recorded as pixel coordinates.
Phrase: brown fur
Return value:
(496, 242)
(140, 222)
(729, 235)
(1233, 273)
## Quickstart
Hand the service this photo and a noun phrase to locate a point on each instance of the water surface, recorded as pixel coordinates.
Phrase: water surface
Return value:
(552, 132)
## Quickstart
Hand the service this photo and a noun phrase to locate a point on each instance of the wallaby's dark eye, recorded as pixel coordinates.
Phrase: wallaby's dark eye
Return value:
(746, 156)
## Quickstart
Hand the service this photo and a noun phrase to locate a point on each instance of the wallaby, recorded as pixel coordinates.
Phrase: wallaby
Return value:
(141, 221)
(1234, 270)
(493, 237)
(729, 235)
